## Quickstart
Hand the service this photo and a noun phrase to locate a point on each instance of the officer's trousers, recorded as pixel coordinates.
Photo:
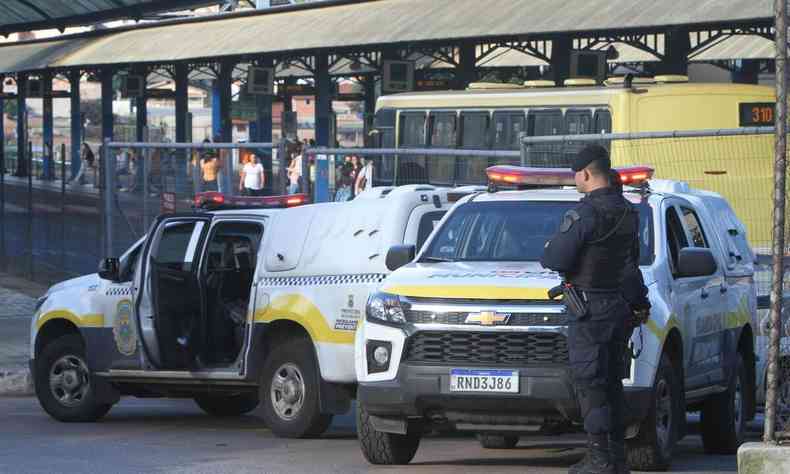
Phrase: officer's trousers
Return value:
(596, 346)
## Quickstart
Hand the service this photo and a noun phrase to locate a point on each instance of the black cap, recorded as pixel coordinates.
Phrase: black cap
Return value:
(589, 154)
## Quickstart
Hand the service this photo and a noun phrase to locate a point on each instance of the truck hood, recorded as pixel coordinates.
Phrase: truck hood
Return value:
(83, 282)
(473, 280)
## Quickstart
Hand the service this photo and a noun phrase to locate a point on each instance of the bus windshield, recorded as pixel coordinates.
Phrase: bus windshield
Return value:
(512, 231)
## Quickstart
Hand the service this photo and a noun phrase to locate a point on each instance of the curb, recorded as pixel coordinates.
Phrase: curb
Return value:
(15, 382)
(762, 458)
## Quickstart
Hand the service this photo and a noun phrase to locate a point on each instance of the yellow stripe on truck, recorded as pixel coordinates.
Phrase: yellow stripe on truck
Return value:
(84, 321)
(471, 292)
(300, 310)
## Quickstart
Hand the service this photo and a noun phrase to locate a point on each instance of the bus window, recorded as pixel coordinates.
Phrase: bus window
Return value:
(443, 127)
(474, 134)
(541, 123)
(603, 124)
(508, 127)
(603, 121)
(577, 122)
(412, 129)
(412, 169)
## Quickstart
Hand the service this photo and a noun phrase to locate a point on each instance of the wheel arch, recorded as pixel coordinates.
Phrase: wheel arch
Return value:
(53, 329)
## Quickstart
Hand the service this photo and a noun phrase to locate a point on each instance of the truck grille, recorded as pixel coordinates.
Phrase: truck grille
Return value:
(459, 317)
(487, 348)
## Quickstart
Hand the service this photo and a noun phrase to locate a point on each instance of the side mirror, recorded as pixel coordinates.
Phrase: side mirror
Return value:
(694, 262)
(400, 255)
(109, 269)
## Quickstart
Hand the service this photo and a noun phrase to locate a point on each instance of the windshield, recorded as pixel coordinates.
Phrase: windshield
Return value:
(512, 231)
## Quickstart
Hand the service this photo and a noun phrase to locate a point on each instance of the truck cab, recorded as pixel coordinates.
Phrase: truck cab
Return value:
(464, 336)
(231, 307)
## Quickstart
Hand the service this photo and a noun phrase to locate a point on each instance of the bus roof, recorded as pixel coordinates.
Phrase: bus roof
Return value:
(595, 94)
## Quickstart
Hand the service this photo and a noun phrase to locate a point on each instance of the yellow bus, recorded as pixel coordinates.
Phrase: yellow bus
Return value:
(493, 117)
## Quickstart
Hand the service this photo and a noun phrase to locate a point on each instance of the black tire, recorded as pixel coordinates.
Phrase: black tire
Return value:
(385, 448)
(652, 448)
(227, 405)
(491, 441)
(72, 399)
(294, 360)
(723, 423)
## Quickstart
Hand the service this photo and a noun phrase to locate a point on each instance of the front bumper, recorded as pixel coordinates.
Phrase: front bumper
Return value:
(546, 396)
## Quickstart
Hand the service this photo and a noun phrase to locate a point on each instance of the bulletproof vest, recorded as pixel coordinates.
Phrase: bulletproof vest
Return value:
(603, 261)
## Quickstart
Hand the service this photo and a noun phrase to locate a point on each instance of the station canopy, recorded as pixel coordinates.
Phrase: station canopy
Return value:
(345, 25)
(29, 15)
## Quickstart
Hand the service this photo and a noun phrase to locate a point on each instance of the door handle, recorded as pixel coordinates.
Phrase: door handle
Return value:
(703, 294)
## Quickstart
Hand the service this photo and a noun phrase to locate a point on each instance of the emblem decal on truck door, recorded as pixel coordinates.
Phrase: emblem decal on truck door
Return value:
(123, 329)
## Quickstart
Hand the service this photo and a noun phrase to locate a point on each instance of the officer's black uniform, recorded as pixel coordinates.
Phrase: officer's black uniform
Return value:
(596, 249)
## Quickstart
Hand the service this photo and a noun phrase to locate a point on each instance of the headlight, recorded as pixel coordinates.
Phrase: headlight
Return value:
(385, 307)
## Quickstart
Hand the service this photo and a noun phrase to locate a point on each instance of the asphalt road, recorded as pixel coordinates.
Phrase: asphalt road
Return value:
(174, 436)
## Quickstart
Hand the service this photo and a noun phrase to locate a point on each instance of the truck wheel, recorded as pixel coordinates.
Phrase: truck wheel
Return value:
(384, 448)
(651, 450)
(289, 391)
(63, 382)
(227, 405)
(490, 441)
(723, 422)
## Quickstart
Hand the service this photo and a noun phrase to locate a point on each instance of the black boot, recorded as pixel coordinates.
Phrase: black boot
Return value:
(596, 461)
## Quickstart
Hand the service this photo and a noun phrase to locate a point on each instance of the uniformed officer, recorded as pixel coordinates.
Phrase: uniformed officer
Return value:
(597, 251)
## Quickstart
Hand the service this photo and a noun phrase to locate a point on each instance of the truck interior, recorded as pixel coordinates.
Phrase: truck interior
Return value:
(201, 310)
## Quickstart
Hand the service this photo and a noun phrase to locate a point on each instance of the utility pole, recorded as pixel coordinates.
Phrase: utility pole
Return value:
(780, 170)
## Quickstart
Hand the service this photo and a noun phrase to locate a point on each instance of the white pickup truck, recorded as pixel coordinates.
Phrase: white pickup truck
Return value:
(231, 308)
(464, 336)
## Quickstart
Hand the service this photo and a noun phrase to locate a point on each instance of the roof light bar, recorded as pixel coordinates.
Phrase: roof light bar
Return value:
(537, 177)
(212, 200)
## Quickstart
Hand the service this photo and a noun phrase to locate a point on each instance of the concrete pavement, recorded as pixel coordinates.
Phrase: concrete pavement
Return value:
(17, 303)
(174, 436)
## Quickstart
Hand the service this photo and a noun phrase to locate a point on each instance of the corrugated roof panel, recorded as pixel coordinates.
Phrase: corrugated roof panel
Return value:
(392, 21)
(400, 21)
(26, 15)
(737, 47)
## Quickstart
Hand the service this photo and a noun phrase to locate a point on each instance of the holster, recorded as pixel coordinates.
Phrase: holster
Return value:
(572, 298)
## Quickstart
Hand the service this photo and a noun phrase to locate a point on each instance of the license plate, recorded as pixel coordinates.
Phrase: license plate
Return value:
(496, 381)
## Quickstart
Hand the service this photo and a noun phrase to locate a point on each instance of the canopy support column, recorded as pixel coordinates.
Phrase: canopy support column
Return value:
(48, 149)
(678, 46)
(466, 71)
(21, 126)
(323, 111)
(263, 130)
(561, 59)
(76, 122)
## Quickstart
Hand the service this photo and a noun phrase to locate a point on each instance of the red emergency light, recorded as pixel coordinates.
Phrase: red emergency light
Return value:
(537, 177)
(212, 200)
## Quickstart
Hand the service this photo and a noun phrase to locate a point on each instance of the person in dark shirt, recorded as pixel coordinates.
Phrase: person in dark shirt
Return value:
(597, 252)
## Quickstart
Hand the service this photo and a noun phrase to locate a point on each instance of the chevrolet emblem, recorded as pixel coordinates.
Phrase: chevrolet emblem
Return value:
(488, 318)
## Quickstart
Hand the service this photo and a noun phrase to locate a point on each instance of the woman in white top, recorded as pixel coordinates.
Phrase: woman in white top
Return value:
(252, 178)
(295, 172)
(364, 179)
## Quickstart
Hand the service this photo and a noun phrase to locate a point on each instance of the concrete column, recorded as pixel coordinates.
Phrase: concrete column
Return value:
(466, 71)
(76, 122)
(263, 119)
(677, 48)
(48, 132)
(141, 116)
(561, 59)
(323, 110)
(21, 126)
(746, 71)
